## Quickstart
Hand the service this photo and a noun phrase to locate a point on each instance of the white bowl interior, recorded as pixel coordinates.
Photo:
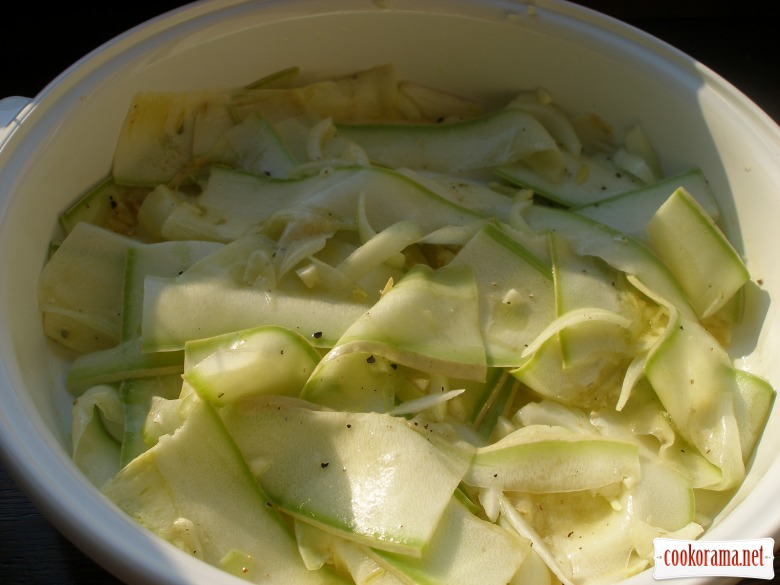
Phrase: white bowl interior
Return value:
(488, 50)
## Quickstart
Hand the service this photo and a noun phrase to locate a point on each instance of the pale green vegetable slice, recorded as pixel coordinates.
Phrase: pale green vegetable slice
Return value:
(589, 537)
(265, 360)
(583, 534)
(494, 139)
(281, 79)
(80, 288)
(434, 103)
(354, 382)
(106, 205)
(695, 380)
(551, 413)
(630, 212)
(433, 402)
(574, 318)
(206, 501)
(634, 164)
(637, 142)
(156, 138)
(581, 180)
(155, 209)
(254, 146)
(165, 259)
(123, 361)
(363, 96)
(96, 433)
(696, 383)
(379, 257)
(644, 420)
(752, 404)
(168, 325)
(315, 546)
(350, 473)
(77, 331)
(590, 383)
(164, 131)
(318, 548)
(428, 321)
(468, 406)
(471, 194)
(539, 103)
(620, 251)
(228, 295)
(664, 498)
(164, 416)
(542, 459)
(515, 293)
(533, 571)
(235, 203)
(379, 249)
(388, 197)
(363, 569)
(126, 359)
(245, 261)
(464, 549)
(483, 403)
(512, 519)
(587, 284)
(325, 147)
(689, 242)
(232, 202)
(137, 395)
(366, 231)
(595, 133)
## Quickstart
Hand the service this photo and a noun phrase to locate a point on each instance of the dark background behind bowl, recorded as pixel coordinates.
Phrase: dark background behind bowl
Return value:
(737, 40)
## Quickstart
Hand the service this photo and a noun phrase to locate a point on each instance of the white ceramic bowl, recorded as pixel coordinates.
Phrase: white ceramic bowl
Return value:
(63, 141)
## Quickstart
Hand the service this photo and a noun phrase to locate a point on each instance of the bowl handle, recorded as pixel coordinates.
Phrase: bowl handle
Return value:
(11, 110)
